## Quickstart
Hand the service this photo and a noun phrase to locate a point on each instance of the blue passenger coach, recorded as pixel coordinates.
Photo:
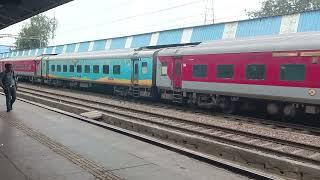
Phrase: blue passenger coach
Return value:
(126, 71)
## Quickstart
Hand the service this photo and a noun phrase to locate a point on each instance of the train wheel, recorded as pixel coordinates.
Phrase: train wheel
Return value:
(274, 109)
(228, 106)
(231, 108)
(191, 104)
(289, 111)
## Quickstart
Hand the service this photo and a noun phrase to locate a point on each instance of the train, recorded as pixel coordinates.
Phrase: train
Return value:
(281, 73)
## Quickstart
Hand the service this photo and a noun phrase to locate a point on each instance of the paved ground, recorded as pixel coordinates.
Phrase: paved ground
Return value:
(43, 154)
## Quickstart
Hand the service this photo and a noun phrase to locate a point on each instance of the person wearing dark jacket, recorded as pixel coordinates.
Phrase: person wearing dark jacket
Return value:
(9, 85)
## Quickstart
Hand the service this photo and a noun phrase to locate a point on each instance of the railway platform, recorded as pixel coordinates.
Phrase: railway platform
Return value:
(36, 143)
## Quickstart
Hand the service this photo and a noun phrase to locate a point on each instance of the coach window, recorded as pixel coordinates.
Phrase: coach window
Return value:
(53, 68)
(256, 72)
(116, 69)
(144, 68)
(86, 68)
(65, 68)
(105, 69)
(164, 68)
(79, 68)
(293, 72)
(200, 71)
(59, 68)
(225, 71)
(71, 68)
(96, 69)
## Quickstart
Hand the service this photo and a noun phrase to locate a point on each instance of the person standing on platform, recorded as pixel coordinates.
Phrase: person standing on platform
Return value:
(9, 85)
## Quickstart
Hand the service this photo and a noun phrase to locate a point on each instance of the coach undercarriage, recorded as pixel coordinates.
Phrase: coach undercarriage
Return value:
(117, 90)
(231, 104)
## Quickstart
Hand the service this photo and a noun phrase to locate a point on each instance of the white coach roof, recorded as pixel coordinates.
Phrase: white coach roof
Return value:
(289, 42)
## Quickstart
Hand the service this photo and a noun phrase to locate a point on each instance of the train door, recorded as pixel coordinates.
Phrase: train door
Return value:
(135, 71)
(45, 68)
(176, 70)
(42, 69)
(78, 68)
(36, 67)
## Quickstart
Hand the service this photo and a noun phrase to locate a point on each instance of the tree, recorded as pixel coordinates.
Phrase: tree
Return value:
(37, 32)
(283, 7)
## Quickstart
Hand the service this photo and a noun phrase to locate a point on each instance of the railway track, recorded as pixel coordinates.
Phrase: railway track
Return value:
(311, 129)
(291, 127)
(199, 136)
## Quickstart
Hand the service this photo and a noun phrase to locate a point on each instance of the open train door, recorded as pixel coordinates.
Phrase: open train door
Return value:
(34, 69)
(177, 80)
(135, 78)
(135, 72)
(176, 70)
(45, 68)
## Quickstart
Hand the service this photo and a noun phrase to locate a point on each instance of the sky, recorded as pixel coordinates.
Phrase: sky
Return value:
(85, 20)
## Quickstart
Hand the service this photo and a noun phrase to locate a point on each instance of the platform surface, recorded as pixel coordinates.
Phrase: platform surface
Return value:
(29, 136)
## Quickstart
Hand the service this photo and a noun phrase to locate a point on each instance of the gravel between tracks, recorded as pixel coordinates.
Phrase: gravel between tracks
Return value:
(258, 129)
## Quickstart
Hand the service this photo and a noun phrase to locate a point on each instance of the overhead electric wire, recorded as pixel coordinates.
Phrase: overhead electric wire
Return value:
(149, 26)
(135, 16)
(176, 20)
(178, 24)
(164, 25)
